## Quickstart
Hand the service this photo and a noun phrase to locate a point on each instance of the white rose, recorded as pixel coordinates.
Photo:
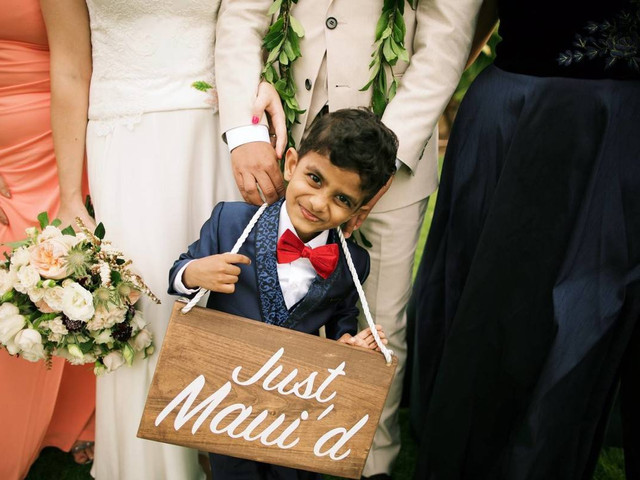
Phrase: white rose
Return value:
(27, 277)
(12, 348)
(36, 294)
(30, 342)
(49, 232)
(10, 326)
(77, 302)
(53, 298)
(57, 326)
(8, 310)
(20, 257)
(31, 232)
(7, 281)
(55, 337)
(142, 340)
(113, 361)
(137, 322)
(106, 317)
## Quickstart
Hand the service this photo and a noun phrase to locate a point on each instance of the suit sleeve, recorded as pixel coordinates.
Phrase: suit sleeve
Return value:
(441, 45)
(345, 318)
(207, 244)
(240, 29)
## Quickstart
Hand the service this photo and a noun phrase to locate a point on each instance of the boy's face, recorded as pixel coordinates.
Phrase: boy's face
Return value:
(320, 195)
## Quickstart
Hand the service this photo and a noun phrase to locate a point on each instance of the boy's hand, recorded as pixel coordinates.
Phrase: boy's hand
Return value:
(215, 272)
(365, 339)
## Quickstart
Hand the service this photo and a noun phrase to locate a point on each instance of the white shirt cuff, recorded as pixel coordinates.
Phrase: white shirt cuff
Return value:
(178, 286)
(249, 133)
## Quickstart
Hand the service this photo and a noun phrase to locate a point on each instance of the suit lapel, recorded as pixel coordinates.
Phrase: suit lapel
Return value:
(318, 290)
(272, 307)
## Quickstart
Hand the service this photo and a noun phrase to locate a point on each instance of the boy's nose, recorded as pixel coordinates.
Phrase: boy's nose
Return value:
(318, 203)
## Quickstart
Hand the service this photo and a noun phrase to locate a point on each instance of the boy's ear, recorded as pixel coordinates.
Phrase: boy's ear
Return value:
(290, 163)
(362, 209)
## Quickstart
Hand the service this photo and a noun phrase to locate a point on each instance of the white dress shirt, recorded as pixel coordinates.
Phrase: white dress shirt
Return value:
(295, 278)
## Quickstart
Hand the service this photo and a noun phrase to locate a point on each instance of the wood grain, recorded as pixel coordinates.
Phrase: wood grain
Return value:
(210, 343)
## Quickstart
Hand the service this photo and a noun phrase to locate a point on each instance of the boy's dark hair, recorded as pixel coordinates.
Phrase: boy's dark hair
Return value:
(355, 139)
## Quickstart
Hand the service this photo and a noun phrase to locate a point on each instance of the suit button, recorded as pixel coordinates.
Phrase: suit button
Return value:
(331, 23)
(307, 84)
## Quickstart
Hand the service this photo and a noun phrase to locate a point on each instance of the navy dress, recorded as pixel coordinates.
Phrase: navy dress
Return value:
(527, 299)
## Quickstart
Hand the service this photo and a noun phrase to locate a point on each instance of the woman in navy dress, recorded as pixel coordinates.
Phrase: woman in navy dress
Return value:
(527, 301)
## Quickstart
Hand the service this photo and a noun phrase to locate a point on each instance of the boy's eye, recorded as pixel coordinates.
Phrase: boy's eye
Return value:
(344, 200)
(314, 178)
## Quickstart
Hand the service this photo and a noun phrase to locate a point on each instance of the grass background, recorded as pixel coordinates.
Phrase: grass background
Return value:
(54, 464)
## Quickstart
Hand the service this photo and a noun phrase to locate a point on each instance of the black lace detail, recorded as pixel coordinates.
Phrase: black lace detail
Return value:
(272, 305)
(615, 41)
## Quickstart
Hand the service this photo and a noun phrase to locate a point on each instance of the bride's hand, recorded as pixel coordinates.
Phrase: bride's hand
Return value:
(268, 101)
(68, 213)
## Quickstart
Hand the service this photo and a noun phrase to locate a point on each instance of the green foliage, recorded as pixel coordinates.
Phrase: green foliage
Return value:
(89, 206)
(282, 42)
(388, 49)
(201, 85)
(99, 231)
(43, 219)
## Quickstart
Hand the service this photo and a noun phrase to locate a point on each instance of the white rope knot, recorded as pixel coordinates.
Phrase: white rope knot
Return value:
(354, 274)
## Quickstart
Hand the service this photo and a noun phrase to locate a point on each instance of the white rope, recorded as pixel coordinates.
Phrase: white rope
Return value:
(236, 248)
(363, 300)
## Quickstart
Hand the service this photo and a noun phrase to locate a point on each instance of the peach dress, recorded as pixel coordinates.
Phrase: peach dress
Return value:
(38, 406)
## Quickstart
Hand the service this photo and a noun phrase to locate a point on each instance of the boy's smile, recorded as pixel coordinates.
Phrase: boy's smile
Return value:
(319, 196)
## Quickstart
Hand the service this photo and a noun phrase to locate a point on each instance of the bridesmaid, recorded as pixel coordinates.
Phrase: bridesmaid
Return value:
(39, 407)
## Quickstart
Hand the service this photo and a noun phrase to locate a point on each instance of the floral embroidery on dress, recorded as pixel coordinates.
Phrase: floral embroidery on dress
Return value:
(616, 41)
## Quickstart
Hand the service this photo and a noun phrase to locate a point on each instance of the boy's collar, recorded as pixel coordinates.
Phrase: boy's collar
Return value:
(285, 223)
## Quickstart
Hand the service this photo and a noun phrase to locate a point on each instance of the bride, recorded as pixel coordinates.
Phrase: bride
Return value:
(157, 166)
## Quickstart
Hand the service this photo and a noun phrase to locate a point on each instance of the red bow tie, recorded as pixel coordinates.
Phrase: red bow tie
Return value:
(324, 259)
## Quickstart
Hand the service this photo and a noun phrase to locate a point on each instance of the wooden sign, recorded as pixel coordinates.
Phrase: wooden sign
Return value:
(242, 388)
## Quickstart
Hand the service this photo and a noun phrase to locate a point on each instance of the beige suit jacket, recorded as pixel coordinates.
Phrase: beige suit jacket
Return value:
(438, 39)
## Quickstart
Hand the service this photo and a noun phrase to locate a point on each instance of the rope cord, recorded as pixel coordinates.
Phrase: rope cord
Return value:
(363, 300)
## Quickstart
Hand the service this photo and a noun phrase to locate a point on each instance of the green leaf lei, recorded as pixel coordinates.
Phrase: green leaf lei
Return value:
(282, 43)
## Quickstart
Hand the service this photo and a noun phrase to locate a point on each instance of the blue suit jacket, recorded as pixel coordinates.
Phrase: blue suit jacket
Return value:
(330, 302)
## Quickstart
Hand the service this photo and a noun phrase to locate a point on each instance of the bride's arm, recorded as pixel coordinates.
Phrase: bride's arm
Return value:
(69, 36)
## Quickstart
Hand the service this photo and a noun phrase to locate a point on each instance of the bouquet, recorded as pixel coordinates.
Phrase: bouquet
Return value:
(74, 296)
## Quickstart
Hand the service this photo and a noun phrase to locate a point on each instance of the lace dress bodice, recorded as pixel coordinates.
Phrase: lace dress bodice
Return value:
(146, 55)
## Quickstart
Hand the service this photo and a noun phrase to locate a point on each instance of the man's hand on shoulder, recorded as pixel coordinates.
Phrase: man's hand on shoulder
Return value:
(255, 164)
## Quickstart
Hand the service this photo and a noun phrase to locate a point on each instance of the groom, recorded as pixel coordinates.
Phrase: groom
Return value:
(336, 51)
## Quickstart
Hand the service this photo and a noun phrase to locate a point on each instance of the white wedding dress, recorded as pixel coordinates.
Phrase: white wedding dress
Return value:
(157, 166)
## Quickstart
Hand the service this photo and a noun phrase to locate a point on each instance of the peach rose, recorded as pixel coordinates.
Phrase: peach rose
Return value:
(48, 258)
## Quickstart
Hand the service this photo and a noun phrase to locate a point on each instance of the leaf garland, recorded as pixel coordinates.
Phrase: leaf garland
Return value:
(282, 42)
(388, 49)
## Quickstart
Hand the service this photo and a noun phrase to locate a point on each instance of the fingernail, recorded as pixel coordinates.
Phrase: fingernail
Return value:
(255, 120)
(6, 194)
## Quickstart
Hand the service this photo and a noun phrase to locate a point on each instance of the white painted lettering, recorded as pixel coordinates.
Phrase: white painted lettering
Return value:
(344, 436)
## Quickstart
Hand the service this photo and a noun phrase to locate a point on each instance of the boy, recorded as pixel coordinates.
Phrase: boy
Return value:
(292, 273)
